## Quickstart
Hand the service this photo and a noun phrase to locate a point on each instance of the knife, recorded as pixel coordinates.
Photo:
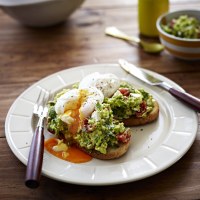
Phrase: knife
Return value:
(151, 80)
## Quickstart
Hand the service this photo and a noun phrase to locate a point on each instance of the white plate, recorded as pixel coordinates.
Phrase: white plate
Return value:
(154, 147)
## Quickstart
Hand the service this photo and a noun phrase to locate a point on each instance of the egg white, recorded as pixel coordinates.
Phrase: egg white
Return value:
(107, 83)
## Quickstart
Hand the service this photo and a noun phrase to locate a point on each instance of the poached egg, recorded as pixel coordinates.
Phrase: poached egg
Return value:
(107, 83)
(76, 105)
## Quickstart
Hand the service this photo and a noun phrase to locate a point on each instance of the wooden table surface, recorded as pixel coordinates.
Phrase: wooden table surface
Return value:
(28, 54)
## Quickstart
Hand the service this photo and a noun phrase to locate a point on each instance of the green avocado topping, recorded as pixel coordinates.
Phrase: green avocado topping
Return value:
(54, 123)
(101, 130)
(128, 101)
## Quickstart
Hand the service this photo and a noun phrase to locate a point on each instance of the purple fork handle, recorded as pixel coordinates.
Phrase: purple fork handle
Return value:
(187, 98)
(34, 165)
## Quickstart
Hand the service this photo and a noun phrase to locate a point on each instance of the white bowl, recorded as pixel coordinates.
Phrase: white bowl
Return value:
(40, 13)
(187, 49)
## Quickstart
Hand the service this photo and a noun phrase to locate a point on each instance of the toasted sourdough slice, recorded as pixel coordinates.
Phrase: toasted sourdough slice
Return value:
(136, 121)
(112, 153)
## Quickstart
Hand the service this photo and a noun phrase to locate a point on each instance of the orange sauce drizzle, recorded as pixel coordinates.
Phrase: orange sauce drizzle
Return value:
(75, 155)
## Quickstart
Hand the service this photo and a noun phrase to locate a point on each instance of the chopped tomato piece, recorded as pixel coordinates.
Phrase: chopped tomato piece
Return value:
(143, 108)
(88, 127)
(124, 91)
(123, 137)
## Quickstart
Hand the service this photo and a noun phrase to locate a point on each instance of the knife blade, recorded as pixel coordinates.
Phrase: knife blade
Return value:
(187, 98)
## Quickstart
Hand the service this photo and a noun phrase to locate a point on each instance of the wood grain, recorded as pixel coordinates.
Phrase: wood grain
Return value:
(28, 54)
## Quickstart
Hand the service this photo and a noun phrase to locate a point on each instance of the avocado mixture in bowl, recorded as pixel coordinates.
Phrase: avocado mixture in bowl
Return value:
(184, 27)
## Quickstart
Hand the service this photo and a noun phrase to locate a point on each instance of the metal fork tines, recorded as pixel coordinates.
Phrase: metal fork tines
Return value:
(35, 158)
(41, 103)
(40, 108)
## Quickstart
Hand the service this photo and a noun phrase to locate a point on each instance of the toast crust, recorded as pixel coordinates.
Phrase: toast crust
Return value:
(112, 153)
(136, 121)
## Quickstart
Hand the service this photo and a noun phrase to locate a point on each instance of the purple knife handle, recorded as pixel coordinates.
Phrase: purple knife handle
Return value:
(187, 98)
(35, 159)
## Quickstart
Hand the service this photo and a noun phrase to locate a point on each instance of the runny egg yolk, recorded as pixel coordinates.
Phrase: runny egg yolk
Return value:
(64, 152)
(75, 113)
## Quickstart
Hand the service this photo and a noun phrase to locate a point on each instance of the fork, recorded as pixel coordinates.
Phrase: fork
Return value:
(35, 159)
